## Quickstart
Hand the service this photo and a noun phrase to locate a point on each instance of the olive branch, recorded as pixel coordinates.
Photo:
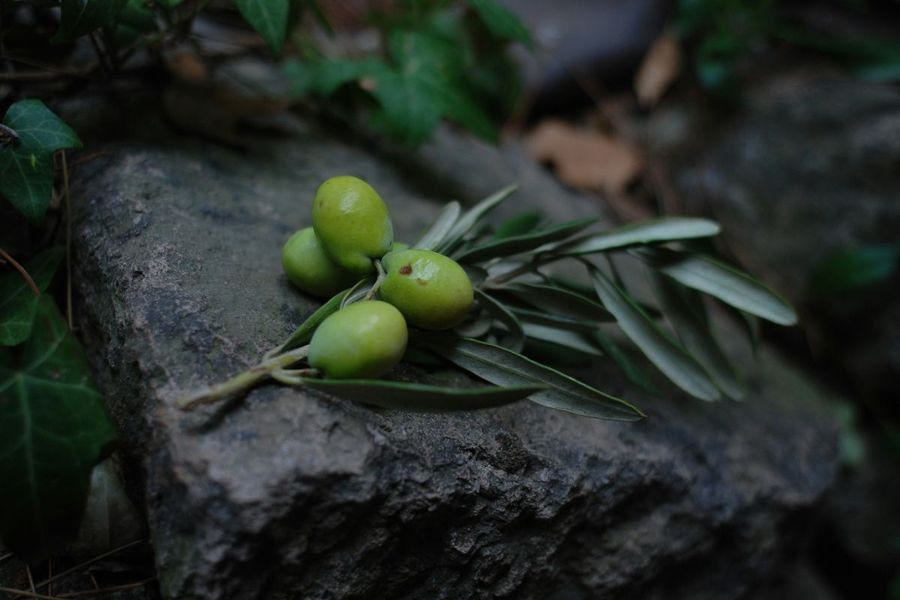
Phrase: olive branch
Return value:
(521, 307)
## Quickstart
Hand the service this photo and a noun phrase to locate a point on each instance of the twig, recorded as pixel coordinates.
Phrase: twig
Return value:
(243, 380)
(65, 170)
(22, 272)
(86, 563)
(6, 557)
(108, 590)
(27, 594)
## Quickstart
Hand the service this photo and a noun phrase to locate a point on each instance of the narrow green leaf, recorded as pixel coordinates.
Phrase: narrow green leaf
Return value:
(18, 304)
(26, 181)
(501, 366)
(38, 128)
(662, 351)
(269, 18)
(515, 338)
(561, 337)
(630, 368)
(645, 232)
(476, 274)
(696, 337)
(469, 218)
(421, 397)
(78, 17)
(501, 21)
(523, 243)
(518, 225)
(724, 282)
(305, 331)
(438, 230)
(559, 302)
(53, 430)
(541, 317)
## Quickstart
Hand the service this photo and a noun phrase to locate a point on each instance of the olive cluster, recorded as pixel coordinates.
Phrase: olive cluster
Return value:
(351, 231)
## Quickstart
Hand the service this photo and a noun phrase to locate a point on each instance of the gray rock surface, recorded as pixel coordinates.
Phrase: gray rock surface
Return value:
(294, 494)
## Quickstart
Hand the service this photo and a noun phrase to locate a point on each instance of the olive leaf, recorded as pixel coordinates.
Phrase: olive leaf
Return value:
(515, 338)
(421, 397)
(504, 367)
(642, 233)
(469, 218)
(681, 311)
(512, 245)
(559, 301)
(519, 224)
(305, 331)
(438, 230)
(721, 281)
(53, 430)
(572, 340)
(659, 347)
(562, 322)
(18, 304)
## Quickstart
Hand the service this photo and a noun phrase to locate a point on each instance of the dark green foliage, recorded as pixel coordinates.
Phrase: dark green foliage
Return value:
(53, 430)
(26, 164)
(18, 304)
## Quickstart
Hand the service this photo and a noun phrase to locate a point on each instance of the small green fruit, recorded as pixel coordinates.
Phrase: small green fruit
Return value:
(309, 268)
(365, 339)
(398, 246)
(352, 223)
(431, 290)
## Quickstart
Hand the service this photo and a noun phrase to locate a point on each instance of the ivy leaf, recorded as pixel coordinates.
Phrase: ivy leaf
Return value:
(78, 17)
(724, 282)
(661, 349)
(515, 338)
(518, 244)
(407, 109)
(53, 430)
(324, 77)
(26, 180)
(438, 230)
(501, 22)
(505, 367)
(681, 310)
(26, 168)
(18, 304)
(38, 128)
(269, 18)
(420, 397)
(645, 232)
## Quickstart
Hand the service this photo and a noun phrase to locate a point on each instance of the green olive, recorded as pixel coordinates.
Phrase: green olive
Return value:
(364, 339)
(431, 290)
(398, 246)
(352, 223)
(309, 268)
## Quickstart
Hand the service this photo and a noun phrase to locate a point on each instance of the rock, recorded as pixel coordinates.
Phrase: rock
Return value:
(295, 494)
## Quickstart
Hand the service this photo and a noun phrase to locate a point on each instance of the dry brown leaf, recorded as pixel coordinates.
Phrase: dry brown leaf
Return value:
(584, 159)
(659, 69)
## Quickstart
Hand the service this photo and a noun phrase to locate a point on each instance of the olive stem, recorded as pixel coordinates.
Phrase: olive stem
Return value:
(293, 376)
(242, 381)
(378, 281)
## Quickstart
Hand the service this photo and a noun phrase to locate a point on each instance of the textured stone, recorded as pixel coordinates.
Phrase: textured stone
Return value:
(294, 494)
